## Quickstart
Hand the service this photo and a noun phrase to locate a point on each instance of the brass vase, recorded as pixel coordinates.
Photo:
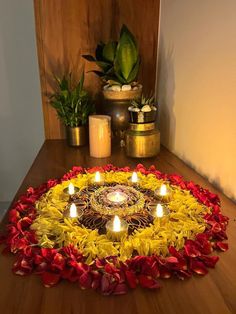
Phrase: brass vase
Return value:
(76, 136)
(142, 140)
(116, 104)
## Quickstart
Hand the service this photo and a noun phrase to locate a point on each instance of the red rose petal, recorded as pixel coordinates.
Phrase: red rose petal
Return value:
(222, 246)
(50, 279)
(148, 282)
(131, 278)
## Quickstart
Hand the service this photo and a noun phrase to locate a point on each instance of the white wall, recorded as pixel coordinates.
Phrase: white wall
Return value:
(21, 122)
(197, 86)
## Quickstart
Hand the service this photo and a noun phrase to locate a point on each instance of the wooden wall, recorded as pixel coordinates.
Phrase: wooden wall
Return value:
(66, 29)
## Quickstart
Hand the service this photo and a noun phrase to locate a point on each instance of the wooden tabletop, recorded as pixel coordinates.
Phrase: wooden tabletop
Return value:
(214, 293)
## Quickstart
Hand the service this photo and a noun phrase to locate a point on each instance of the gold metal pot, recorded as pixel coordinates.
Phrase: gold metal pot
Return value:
(116, 104)
(142, 140)
(76, 136)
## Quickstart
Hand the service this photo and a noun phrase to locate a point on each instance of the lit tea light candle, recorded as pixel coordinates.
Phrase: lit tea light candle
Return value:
(98, 178)
(72, 211)
(163, 190)
(71, 189)
(160, 211)
(134, 178)
(116, 224)
(117, 197)
(163, 193)
(116, 228)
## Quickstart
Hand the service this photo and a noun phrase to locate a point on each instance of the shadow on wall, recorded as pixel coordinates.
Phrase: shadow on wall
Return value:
(165, 94)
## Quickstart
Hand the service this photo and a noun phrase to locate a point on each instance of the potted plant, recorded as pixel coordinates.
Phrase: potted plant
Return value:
(143, 110)
(119, 65)
(73, 105)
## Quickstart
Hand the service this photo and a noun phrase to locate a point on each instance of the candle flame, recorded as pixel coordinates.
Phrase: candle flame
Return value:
(134, 177)
(163, 190)
(116, 224)
(73, 211)
(159, 211)
(97, 177)
(71, 189)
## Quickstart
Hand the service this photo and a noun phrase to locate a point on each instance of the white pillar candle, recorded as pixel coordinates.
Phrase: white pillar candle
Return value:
(100, 136)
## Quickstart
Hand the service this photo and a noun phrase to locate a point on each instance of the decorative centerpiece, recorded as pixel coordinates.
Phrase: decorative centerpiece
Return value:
(119, 63)
(115, 236)
(73, 105)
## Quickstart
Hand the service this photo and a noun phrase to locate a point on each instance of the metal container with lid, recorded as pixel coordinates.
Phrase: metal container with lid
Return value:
(142, 140)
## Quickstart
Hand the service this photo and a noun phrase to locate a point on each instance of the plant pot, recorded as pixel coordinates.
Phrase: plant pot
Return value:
(76, 136)
(116, 104)
(142, 117)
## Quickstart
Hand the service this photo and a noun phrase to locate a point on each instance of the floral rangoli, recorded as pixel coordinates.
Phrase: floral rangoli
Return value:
(50, 243)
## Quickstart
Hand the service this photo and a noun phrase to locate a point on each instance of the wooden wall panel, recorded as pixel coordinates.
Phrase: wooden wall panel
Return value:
(67, 29)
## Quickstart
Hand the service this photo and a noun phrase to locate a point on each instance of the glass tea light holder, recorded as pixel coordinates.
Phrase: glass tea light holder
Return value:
(160, 212)
(163, 193)
(97, 178)
(73, 212)
(116, 228)
(71, 189)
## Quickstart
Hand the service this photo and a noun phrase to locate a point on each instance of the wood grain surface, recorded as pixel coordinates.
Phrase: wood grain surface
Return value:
(66, 29)
(213, 294)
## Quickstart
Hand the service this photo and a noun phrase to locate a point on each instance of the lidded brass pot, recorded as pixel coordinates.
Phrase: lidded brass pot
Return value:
(142, 140)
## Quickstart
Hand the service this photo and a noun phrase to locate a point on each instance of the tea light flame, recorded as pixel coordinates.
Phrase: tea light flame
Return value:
(116, 224)
(159, 211)
(163, 190)
(71, 189)
(117, 197)
(73, 211)
(97, 177)
(134, 177)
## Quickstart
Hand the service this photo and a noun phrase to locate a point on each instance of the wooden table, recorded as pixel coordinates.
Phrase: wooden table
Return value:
(215, 293)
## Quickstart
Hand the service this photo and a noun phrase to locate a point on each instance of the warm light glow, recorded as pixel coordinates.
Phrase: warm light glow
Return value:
(117, 197)
(134, 177)
(73, 211)
(71, 189)
(163, 190)
(159, 211)
(116, 224)
(97, 177)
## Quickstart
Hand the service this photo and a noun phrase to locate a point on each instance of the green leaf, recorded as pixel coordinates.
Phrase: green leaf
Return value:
(109, 51)
(99, 50)
(89, 58)
(133, 74)
(126, 55)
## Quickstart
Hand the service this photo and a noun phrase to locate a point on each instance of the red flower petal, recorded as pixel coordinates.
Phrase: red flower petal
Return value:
(198, 267)
(85, 280)
(50, 279)
(120, 289)
(222, 246)
(148, 282)
(131, 279)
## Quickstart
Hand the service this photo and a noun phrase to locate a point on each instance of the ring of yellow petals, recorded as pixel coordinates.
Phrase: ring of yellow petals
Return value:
(53, 230)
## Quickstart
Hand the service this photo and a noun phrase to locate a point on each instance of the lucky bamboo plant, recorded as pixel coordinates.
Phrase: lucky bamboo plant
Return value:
(71, 101)
(118, 61)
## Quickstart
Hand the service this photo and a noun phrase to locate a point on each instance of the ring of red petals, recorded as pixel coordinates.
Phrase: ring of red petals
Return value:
(110, 276)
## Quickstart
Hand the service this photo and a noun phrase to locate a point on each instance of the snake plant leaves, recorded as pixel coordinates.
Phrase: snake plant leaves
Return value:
(133, 74)
(126, 54)
(109, 51)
